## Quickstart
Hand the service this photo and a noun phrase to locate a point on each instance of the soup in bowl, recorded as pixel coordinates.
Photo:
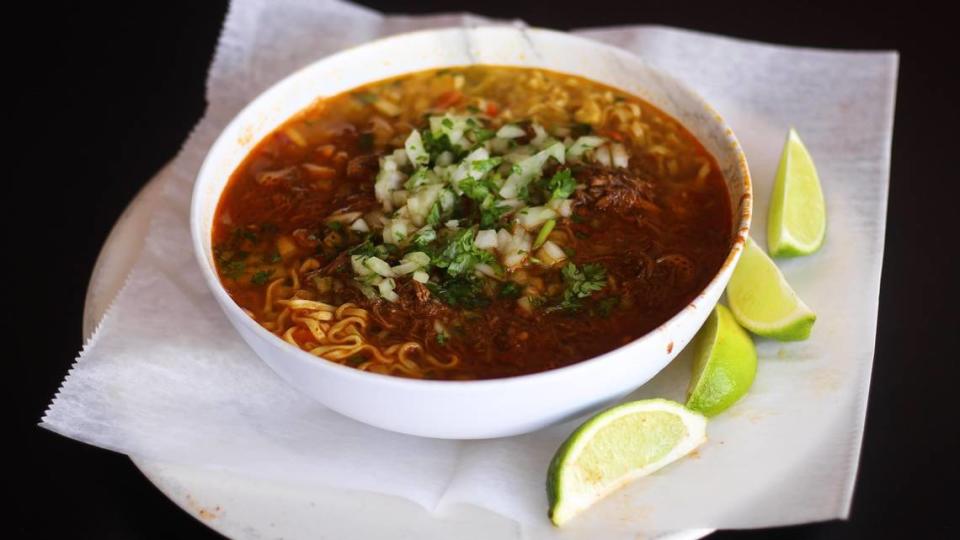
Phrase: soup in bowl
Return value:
(471, 233)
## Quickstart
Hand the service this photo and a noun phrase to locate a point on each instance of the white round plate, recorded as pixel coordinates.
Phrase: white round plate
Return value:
(243, 507)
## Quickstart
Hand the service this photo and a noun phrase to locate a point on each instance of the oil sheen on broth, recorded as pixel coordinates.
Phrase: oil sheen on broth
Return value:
(471, 223)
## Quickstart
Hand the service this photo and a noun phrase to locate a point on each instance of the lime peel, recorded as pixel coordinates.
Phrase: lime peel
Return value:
(763, 302)
(616, 446)
(797, 222)
(725, 364)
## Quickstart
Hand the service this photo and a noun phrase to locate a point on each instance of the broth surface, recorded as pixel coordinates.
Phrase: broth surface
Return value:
(639, 226)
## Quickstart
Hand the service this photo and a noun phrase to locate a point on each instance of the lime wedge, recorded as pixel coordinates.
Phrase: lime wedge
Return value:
(798, 220)
(725, 363)
(762, 300)
(618, 445)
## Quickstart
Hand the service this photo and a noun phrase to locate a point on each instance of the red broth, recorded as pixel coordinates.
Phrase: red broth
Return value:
(637, 226)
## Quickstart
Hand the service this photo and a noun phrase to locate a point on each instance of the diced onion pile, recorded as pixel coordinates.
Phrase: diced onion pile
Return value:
(421, 186)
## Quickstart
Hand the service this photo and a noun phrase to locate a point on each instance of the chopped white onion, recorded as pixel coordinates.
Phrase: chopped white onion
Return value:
(388, 179)
(399, 197)
(395, 231)
(620, 157)
(416, 153)
(360, 226)
(486, 239)
(378, 266)
(583, 144)
(602, 155)
(422, 200)
(530, 168)
(486, 270)
(533, 217)
(445, 158)
(510, 131)
(344, 217)
(356, 261)
(418, 257)
(541, 135)
(386, 290)
(550, 253)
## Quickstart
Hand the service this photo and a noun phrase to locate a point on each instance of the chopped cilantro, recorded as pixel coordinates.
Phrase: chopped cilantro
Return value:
(607, 305)
(524, 193)
(261, 277)
(433, 218)
(581, 283)
(438, 144)
(477, 190)
(234, 269)
(510, 289)
(424, 237)
(562, 185)
(480, 135)
(483, 166)
(442, 338)
(491, 215)
(335, 225)
(460, 255)
(462, 291)
(364, 249)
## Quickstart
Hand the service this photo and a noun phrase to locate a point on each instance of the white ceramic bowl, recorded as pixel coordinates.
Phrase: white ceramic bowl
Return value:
(488, 408)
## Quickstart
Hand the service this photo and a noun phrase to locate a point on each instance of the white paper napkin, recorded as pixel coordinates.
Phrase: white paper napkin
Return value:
(165, 377)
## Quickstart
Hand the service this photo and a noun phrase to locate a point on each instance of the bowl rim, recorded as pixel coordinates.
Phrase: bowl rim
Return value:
(227, 303)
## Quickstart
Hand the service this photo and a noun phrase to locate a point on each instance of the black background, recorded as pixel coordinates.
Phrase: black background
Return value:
(103, 96)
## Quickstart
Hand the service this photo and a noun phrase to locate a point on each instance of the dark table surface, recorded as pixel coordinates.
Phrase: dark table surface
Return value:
(104, 96)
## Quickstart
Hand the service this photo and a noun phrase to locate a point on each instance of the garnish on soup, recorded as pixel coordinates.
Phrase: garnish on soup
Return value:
(471, 223)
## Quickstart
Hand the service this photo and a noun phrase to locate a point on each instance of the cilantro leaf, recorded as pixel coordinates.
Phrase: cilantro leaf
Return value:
(562, 185)
(433, 218)
(261, 277)
(606, 306)
(234, 269)
(478, 190)
(581, 283)
(491, 215)
(481, 135)
(364, 249)
(460, 255)
(424, 236)
(461, 291)
(510, 289)
(438, 144)
(483, 166)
